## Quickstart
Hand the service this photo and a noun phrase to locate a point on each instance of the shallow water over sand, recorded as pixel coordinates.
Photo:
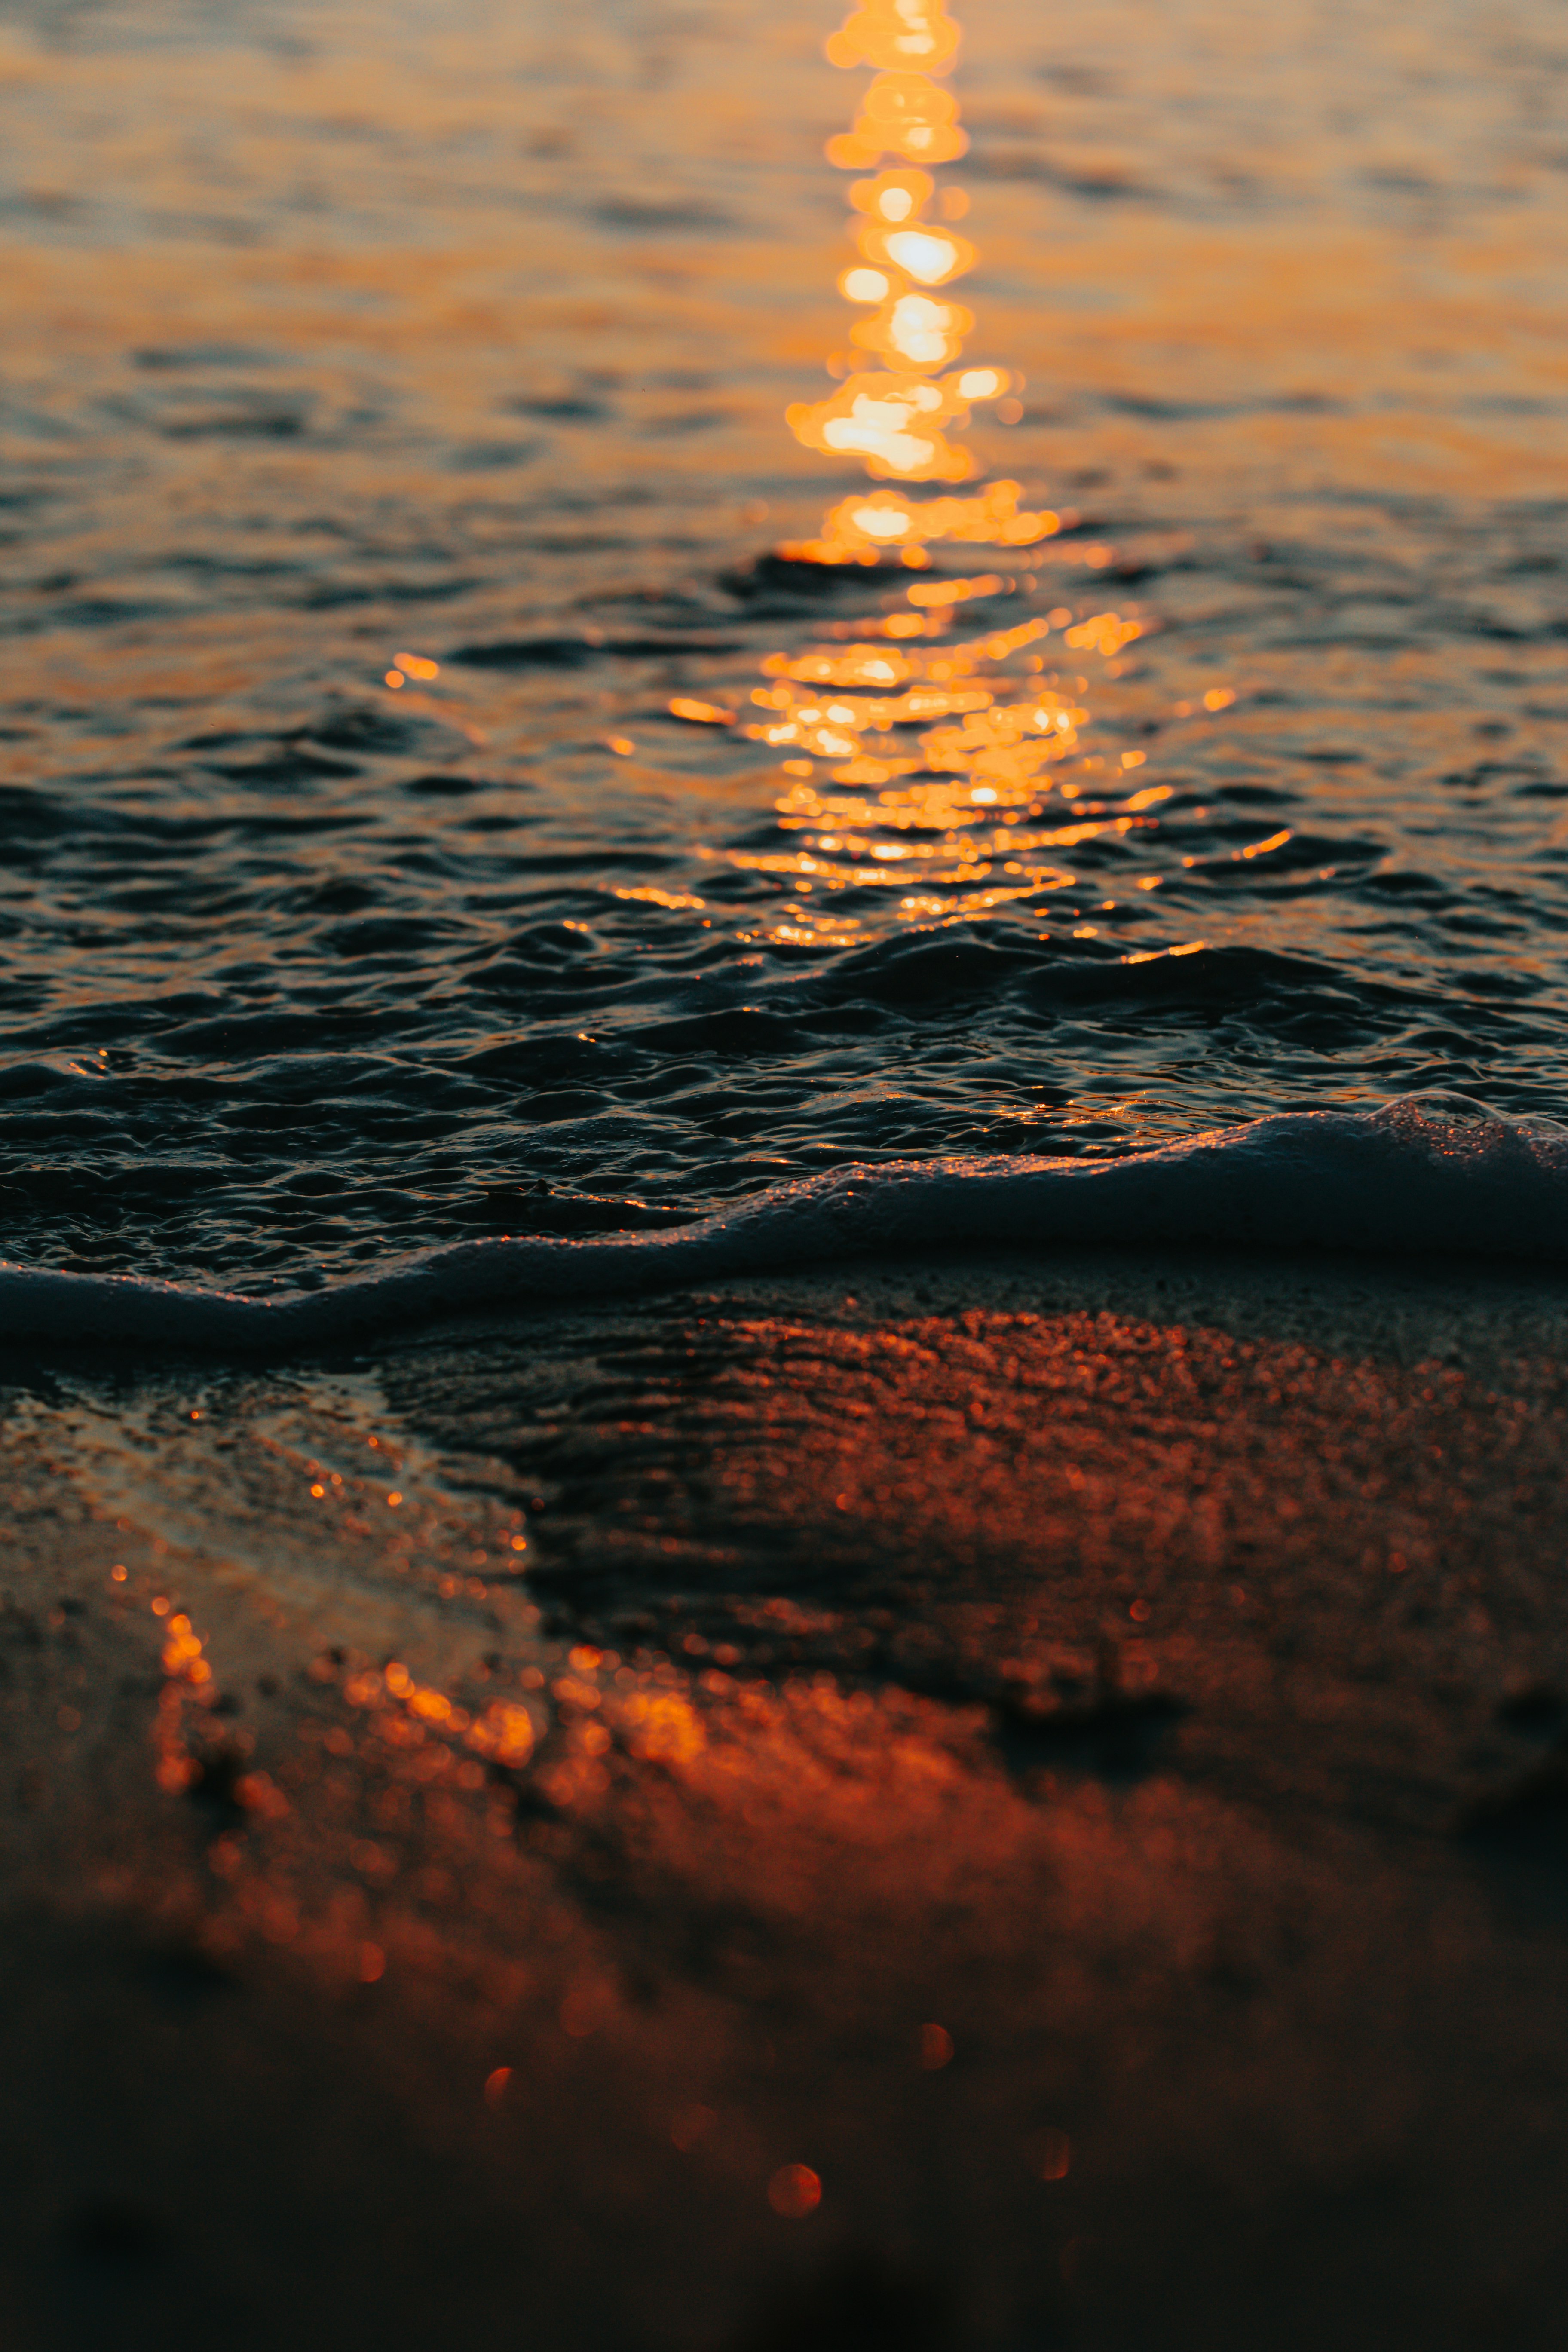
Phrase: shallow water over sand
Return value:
(466, 333)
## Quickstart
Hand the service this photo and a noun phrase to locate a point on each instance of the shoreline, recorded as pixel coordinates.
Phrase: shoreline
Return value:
(1424, 1176)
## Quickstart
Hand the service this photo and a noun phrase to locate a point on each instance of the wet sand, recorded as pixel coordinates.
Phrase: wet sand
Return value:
(1148, 1671)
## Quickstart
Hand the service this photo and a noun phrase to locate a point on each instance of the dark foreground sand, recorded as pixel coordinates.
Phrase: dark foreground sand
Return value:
(1148, 1671)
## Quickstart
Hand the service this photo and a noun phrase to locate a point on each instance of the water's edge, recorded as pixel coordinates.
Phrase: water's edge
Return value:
(1410, 1178)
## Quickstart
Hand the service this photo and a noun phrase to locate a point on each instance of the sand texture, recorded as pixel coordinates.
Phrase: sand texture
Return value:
(1065, 1748)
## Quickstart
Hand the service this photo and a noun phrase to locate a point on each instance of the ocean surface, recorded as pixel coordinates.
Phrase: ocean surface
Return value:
(392, 429)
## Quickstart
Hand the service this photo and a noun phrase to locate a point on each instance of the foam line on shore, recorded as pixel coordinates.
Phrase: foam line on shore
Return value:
(1428, 1174)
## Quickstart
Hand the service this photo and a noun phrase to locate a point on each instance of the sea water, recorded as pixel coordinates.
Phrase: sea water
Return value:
(426, 825)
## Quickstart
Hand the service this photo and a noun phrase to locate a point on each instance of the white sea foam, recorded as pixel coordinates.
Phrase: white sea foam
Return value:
(1430, 1173)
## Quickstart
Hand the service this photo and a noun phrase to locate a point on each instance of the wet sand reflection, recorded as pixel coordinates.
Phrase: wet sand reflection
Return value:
(971, 1848)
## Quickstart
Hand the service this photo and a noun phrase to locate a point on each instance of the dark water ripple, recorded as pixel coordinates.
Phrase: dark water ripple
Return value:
(295, 972)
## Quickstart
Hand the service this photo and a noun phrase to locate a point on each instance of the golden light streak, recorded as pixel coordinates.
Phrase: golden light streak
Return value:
(896, 422)
(916, 759)
(861, 528)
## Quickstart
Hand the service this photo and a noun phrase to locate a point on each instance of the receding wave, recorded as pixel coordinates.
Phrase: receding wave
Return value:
(1432, 1174)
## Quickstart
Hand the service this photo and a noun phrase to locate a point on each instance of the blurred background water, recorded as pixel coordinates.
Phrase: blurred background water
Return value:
(339, 333)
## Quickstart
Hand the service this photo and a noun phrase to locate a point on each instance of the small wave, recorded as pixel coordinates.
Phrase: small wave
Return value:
(1432, 1174)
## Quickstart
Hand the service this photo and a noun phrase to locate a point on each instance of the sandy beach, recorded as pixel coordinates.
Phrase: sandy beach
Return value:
(1010, 1801)
(616, 627)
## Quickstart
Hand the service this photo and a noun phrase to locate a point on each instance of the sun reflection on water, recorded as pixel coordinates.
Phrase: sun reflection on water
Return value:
(940, 767)
(919, 759)
(897, 421)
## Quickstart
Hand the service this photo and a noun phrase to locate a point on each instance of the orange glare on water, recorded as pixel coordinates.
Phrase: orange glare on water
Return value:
(920, 769)
(898, 420)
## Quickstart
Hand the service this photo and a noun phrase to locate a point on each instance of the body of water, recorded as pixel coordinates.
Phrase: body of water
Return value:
(433, 807)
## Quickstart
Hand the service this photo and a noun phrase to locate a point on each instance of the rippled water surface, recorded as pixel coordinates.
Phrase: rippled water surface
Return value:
(454, 342)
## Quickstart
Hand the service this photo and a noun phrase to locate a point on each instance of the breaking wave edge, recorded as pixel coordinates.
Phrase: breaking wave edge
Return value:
(1432, 1174)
